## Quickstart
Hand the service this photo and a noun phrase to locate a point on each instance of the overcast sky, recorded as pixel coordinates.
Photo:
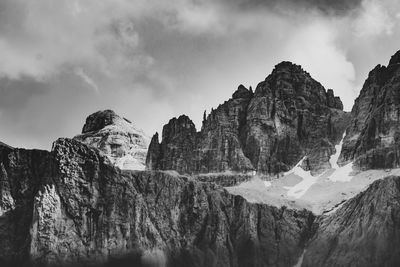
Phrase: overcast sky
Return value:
(150, 60)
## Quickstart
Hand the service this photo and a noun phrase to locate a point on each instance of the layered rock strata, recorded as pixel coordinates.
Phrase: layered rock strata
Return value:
(122, 142)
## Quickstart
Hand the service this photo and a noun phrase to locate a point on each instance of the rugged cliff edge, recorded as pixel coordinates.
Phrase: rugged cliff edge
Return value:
(373, 136)
(288, 117)
(71, 206)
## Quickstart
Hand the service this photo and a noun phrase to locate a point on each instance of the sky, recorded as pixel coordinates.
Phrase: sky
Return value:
(151, 60)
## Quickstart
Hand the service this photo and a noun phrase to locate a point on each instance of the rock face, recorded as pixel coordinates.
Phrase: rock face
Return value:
(289, 116)
(373, 136)
(22, 172)
(124, 144)
(292, 116)
(70, 206)
(364, 232)
(2, 145)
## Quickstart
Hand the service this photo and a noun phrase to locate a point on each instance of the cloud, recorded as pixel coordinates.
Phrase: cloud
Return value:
(152, 59)
(374, 19)
(15, 93)
(37, 38)
(315, 48)
(46, 36)
(328, 7)
(81, 73)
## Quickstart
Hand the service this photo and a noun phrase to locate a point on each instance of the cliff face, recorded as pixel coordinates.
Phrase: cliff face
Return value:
(116, 137)
(373, 136)
(220, 144)
(71, 206)
(292, 116)
(289, 116)
(22, 172)
(364, 232)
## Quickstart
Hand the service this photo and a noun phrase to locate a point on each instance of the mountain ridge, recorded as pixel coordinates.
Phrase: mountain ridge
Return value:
(251, 131)
(74, 205)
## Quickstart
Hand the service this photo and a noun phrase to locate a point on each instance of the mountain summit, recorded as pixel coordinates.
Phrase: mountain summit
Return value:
(123, 143)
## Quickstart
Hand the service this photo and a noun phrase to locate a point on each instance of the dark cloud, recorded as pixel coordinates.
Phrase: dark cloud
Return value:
(330, 7)
(15, 93)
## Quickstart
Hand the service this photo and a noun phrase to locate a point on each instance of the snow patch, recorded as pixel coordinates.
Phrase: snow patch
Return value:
(341, 174)
(128, 162)
(300, 261)
(301, 188)
(267, 183)
(335, 157)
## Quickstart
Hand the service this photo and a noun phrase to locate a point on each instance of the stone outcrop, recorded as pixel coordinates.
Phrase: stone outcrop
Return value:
(363, 232)
(71, 206)
(289, 116)
(333, 101)
(373, 136)
(116, 137)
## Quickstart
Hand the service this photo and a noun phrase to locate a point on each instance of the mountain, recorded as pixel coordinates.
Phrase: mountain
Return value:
(72, 206)
(290, 116)
(363, 232)
(122, 142)
(373, 136)
(76, 205)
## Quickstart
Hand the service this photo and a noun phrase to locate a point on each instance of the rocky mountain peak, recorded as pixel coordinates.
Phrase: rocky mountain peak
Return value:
(99, 120)
(290, 81)
(395, 59)
(242, 92)
(287, 66)
(120, 140)
(372, 139)
(176, 126)
(333, 101)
